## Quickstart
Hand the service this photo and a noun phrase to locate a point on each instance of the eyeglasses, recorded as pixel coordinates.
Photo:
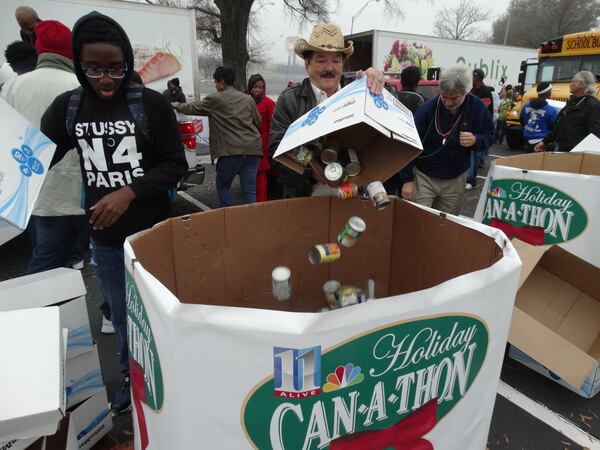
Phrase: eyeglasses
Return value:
(98, 72)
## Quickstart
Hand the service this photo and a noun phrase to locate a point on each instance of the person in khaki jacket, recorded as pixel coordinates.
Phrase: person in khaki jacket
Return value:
(234, 137)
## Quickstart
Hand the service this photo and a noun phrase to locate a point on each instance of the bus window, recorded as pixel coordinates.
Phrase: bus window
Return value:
(591, 63)
(547, 73)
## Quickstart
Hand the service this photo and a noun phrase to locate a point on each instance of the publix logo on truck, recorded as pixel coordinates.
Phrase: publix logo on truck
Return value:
(389, 386)
(533, 212)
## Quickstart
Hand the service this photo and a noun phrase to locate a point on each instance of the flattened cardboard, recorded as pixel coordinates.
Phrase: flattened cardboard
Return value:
(556, 324)
(83, 376)
(31, 381)
(83, 426)
(24, 444)
(61, 287)
(380, 129)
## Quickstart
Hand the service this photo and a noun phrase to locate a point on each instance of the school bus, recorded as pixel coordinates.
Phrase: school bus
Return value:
(558, 60)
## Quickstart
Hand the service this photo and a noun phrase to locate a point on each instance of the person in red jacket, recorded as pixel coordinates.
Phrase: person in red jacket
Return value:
(257, 88)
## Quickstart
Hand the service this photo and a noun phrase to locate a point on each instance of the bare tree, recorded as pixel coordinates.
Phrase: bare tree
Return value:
(226, 24)
(535, 21)
(461, 22)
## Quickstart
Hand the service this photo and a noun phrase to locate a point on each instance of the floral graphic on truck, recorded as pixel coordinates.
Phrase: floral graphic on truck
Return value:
(405, 53)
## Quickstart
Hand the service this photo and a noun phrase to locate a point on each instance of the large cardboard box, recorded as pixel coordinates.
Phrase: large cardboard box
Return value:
(555, 328)
(32, 398)
(83, 376)
(61, 287)
(379, 128)
(425, 357)
(25, 155)
(546, 198)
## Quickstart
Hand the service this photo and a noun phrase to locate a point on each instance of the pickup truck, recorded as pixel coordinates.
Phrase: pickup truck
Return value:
(189, 131)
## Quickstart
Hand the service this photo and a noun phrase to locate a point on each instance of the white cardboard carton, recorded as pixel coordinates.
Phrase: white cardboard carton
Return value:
(89, 421)
(83, 377)
(25, 155)
(32, 398)
(23, 444)
(61, 287)
(379, 128)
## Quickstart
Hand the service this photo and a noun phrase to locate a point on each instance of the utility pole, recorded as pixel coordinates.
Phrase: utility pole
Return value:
(510, 13)
(355, 16)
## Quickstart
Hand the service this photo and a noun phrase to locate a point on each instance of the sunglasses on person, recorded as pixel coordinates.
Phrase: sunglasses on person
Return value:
(98, 72)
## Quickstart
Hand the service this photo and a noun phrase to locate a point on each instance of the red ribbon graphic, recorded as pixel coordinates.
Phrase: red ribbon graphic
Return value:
(531, 235)
(405, 435)
(138, 396)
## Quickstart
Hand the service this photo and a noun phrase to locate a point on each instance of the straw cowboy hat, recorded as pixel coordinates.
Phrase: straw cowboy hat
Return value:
(325, 37)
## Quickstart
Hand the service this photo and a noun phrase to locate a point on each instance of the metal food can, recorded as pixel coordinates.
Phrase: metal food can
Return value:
(351, 231)
(335, 173)
(329, 153)
(331, 289)
(378, 194)
(349, 159)
(350, 295)
(347, 191)
(282, 286)
(302, 155)
(324, 253)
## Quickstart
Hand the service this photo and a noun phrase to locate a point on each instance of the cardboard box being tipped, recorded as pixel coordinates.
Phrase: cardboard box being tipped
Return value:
(555, 328)
(379, 128)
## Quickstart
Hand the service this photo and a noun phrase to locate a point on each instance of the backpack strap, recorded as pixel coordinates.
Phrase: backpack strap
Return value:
(135, 96)
(72, 109)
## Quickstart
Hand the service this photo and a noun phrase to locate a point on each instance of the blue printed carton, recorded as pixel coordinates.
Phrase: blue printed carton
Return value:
(25, 155)
(379, 128)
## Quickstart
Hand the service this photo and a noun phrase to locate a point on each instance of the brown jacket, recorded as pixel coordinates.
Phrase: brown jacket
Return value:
(233, 120)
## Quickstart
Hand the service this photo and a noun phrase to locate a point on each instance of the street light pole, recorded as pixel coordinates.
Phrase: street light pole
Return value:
(355, 16)
(510, 12)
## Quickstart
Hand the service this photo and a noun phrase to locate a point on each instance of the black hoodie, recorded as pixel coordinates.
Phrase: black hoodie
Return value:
(114, 153)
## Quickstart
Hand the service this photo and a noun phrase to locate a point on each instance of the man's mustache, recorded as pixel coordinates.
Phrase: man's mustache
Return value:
(328, 74)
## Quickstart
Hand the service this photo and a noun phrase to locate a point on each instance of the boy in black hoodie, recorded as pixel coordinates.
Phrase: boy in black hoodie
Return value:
(127, 171)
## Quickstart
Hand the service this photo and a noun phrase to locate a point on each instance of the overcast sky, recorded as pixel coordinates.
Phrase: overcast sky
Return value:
(418, 19)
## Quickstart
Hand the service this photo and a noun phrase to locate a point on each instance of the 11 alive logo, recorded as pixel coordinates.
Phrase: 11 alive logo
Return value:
(297, 372)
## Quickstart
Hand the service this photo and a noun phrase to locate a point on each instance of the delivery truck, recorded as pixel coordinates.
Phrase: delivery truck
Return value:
(163, 38)
(391, 52)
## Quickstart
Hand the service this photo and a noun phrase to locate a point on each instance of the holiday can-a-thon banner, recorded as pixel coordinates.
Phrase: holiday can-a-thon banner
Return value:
(418, 367)
(545, 199)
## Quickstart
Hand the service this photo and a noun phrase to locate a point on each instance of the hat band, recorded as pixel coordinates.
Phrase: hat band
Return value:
(543, 91)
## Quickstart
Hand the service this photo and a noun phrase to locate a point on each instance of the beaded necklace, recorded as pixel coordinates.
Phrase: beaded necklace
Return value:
(437, 123)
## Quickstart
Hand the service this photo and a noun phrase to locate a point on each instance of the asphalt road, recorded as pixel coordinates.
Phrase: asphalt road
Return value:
(512, 427)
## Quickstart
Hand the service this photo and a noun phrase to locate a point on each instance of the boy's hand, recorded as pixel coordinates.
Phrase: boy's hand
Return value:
(110, 207)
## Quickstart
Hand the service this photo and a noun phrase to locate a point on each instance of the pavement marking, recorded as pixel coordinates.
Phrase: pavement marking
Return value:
(549, 417)
(193, 201)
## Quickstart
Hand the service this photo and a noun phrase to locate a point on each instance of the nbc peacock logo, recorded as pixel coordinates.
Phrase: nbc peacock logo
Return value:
(343, 377)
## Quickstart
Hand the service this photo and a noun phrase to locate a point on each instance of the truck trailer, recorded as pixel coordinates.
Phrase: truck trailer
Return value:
(163, 38)
(391, 52)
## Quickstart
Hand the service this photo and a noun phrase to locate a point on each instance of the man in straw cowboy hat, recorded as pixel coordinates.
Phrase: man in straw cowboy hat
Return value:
(324, 55)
